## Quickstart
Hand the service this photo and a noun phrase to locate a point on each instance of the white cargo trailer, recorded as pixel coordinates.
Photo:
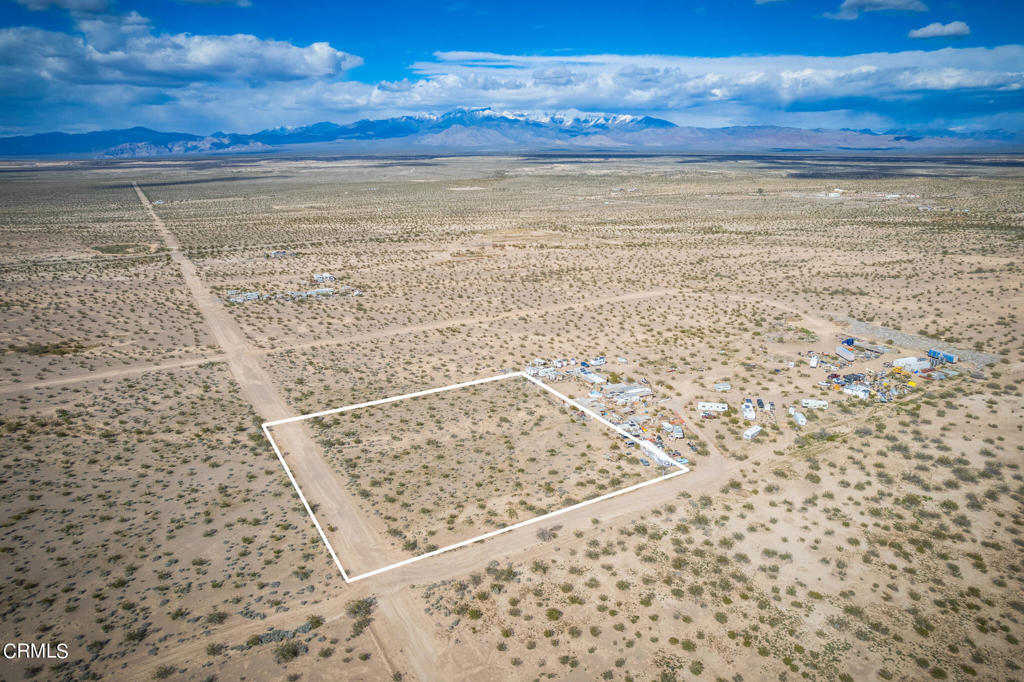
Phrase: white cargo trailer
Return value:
(912, 364)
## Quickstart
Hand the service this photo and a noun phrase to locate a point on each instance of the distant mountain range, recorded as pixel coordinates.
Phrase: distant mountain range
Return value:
(486, 130)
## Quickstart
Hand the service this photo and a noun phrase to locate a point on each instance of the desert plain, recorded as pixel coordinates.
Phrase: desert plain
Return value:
(146, 521)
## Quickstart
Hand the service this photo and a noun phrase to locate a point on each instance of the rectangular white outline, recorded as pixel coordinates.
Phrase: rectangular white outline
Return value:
(323, 536)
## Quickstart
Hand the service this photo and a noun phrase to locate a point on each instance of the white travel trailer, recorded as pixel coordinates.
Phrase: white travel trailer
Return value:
(814, 404)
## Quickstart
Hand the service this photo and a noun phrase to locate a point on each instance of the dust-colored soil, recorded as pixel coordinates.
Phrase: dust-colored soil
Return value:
(146, 522)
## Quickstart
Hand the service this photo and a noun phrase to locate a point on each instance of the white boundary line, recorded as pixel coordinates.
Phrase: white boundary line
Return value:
(323, 536)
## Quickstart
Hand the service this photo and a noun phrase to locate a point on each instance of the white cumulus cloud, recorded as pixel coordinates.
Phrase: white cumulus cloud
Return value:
(123, 50)
(125, 74)
(851, 9)
(73, 5)
(953, 29)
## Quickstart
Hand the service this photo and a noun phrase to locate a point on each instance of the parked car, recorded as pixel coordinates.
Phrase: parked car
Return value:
(760, 404)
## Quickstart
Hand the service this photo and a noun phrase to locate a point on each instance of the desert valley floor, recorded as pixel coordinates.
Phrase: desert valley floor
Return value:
(156, 313)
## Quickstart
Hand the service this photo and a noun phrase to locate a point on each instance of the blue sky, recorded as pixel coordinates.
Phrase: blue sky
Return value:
(200, 66)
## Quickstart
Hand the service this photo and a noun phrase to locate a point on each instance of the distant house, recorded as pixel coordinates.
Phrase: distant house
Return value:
(322, 277)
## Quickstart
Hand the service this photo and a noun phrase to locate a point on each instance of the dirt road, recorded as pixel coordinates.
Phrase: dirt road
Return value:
(107, 374)
(456, 321)
(259, 390)
(251, 352)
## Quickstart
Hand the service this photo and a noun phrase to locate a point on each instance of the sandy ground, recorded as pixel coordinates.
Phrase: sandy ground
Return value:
(876, 542)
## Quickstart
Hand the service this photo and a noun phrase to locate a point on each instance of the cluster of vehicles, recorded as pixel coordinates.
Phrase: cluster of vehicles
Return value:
(838, 380)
